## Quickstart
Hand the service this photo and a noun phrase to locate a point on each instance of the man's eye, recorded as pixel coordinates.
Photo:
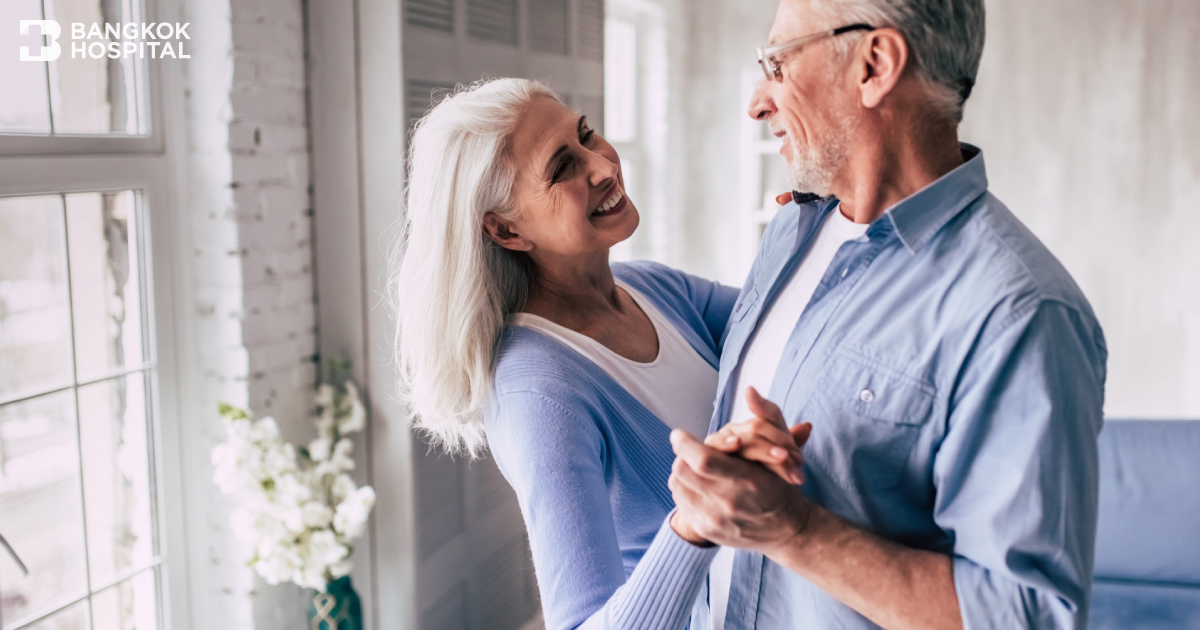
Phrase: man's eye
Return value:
(588, 137)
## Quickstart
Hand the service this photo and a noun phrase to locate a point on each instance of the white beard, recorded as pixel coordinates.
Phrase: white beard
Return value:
(814, 165)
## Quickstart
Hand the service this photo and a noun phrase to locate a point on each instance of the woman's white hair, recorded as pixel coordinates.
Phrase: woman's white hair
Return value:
(452, 287)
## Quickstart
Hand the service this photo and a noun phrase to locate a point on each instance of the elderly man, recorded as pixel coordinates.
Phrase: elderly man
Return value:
(950, 368)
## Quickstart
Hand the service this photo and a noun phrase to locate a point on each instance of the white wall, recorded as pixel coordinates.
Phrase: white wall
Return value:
(249, 317)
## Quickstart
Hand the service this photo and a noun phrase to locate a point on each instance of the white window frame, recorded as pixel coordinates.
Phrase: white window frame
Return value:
(34, 165)
(648, 148)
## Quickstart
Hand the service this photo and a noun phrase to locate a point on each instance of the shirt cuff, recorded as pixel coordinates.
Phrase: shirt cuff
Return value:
(987, 600)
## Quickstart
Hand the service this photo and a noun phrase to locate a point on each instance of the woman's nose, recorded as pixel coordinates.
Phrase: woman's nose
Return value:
(602, 169)
(761, 105)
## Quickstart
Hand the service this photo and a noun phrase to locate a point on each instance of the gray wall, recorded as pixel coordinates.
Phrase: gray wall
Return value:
(1087, 114)
(1086, 111)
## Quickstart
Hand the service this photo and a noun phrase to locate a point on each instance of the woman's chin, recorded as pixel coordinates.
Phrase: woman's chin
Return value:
(629, 221)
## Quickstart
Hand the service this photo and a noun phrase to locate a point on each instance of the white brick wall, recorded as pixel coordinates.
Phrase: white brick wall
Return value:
(251, 238)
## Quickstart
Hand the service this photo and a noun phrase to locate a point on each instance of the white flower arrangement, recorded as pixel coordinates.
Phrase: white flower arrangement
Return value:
(302, 513)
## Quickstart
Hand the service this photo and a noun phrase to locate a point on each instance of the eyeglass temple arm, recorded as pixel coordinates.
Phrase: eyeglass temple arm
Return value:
(852, 27)
(766, 52)
(13, 553)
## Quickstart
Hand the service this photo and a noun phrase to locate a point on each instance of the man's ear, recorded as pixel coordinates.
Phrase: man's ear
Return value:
(500, 231)
(882, 60)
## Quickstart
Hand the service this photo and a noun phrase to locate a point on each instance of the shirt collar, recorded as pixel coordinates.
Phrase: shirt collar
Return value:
(917, 218)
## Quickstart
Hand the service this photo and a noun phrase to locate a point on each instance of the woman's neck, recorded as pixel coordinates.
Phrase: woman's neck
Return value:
(574, 292)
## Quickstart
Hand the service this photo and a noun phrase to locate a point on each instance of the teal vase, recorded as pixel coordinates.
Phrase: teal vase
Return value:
(335, 608)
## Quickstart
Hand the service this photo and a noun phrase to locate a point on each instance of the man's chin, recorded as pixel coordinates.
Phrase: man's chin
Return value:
(804, 176)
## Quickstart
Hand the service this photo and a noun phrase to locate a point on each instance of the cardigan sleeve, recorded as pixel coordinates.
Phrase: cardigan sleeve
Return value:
(714, 301)
(554, 459)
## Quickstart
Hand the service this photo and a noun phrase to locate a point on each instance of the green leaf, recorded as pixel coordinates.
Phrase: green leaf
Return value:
(231, 413)
(338, 370)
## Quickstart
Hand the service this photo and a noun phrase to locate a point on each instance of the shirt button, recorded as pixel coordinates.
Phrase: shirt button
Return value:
(867, 396)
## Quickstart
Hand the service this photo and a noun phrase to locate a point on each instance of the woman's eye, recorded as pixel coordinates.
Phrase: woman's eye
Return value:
(560, 172)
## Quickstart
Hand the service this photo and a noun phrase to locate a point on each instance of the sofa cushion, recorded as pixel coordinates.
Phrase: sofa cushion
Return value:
(1124, 606)
(1149, 525)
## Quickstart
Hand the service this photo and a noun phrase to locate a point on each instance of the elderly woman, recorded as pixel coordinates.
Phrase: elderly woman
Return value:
(515, 330)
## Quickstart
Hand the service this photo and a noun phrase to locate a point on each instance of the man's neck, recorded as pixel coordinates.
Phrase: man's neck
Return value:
(887, 168)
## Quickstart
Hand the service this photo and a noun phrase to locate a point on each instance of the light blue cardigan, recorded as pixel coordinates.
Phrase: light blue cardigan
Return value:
(590, 463)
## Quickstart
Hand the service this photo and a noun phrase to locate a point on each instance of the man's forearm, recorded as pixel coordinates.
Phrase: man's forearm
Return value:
(895, 586)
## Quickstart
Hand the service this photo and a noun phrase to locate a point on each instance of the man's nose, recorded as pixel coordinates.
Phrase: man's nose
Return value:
(761, 105)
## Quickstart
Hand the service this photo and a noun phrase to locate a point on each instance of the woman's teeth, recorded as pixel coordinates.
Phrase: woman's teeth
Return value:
(610, 204)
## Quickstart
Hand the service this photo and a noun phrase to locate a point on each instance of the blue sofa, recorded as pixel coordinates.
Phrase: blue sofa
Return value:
(1148, 538)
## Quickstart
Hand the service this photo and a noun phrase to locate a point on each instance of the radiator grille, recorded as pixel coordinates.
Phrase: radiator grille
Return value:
(591, 30)
(549, 28)
(493, 20)
(435, 14)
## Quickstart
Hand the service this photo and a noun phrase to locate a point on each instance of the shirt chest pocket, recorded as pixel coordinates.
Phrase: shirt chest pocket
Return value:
(866, 421)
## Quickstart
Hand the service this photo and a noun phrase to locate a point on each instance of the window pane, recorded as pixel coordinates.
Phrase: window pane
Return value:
(40, 508)
(92, 95)
(35, 342)
(73, 618)
(116, 481)
(25, 105)
(130, 605)
(620, 80)
(102, 238)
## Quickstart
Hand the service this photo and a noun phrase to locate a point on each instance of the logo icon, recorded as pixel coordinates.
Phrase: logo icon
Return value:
(49, 29)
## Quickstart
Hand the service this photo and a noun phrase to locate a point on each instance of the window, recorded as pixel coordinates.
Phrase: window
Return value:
(75, 482)
(762, 176)
(635, 117)
(75, 93)
(82, 183)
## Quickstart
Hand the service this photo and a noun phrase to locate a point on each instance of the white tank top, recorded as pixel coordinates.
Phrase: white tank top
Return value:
(678, 386)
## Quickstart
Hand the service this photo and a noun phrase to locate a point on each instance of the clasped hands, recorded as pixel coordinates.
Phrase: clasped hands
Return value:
(739, 487)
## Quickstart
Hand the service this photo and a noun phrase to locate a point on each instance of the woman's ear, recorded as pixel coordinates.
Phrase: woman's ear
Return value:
(500, 231)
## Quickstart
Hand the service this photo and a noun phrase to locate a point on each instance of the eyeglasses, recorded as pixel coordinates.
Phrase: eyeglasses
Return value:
(771, 66)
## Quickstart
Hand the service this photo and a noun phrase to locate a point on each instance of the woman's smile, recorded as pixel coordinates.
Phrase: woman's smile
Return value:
(613, 205)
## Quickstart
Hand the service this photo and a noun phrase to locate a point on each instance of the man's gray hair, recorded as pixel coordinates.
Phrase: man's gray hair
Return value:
(945, 40)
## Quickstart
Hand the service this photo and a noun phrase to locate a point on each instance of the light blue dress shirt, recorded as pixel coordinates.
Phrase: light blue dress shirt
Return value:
(954, 375)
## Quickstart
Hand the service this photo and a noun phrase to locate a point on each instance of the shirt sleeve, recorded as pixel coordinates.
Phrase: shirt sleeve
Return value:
(554, 460)
(1017, 474)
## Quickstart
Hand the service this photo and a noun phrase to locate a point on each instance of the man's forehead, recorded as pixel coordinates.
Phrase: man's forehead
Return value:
(793, 19)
